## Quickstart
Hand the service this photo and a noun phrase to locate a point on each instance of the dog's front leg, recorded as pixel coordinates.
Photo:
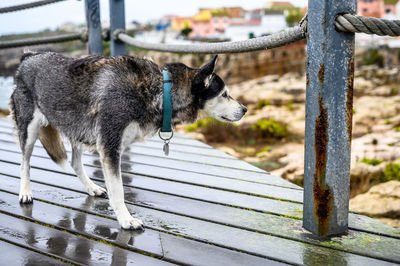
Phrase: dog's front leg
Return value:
(112, 175)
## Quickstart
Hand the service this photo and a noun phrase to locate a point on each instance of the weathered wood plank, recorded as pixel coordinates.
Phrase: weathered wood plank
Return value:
(174, 188)
(161, 245)
(167, 176)
(241, 218)
(17, 255)
(269, 224)
(177, 149)
(263, 245)
(68, 246)
(289, 209)
(195, 168)
(356, 221)
(214, 170)
(158, 154)
(177, 140)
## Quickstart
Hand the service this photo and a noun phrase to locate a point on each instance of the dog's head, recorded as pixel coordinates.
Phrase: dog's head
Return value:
(213, 97)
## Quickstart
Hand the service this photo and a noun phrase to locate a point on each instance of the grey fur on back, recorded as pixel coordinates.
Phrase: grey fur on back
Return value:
(93, 99)
(75, 95)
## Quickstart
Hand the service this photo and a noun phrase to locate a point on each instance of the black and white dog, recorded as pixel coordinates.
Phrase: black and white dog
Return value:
(106, 103)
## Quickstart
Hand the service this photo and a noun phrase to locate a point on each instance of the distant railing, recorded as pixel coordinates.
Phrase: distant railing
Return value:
(93, 34)
(329, 29)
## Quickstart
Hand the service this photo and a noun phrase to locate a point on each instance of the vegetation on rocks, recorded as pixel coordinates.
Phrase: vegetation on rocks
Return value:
(371, 161)
(269, 128)
(392, 172)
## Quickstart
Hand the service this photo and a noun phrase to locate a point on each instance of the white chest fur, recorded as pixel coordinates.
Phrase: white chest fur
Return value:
(133, 133)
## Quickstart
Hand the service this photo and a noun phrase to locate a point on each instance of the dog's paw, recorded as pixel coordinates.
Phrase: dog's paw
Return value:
(25, 198)
(97, 191)
(131, 224)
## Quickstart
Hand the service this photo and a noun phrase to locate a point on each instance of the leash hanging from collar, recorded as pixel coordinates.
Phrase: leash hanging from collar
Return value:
(167, 111)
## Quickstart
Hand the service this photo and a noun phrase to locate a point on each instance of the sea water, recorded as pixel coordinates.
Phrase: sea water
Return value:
(6, 85)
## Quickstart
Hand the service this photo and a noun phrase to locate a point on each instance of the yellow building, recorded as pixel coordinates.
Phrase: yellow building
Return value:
(180, 23)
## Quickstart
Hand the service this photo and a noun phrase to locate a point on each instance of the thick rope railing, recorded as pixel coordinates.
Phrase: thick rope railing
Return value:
(285, 37)
(381, 27)
(343, 23)
(45, 40)
(28, 5)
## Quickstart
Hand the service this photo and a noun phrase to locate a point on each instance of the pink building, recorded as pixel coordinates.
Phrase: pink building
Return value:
(377, 8)
(371, 8)
(208, 26)
(390, 8)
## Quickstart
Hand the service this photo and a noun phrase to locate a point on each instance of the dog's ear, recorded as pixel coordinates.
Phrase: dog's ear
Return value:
(200, 79)
(208, 68)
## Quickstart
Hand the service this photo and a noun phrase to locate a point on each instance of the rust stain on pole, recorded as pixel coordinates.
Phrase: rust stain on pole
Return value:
(321, 73)
(349, 97)
(322, 193)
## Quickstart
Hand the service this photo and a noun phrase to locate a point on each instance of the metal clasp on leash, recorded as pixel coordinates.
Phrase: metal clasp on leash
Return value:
(166, 141)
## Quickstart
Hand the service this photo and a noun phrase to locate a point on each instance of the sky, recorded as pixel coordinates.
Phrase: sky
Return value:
(51, 16)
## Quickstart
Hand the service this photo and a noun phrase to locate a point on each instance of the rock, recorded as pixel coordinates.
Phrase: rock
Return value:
(381, 201)
(229, 151)
(293, 160)
(384, 146)
(362, 176)
(370, 109)
(392, 222)
(379, 91)
(361, 85)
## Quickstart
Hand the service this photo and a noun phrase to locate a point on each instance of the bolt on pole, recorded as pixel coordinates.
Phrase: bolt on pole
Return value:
(329, 110)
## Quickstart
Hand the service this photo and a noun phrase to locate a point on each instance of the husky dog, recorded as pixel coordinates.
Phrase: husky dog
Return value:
(106, 103)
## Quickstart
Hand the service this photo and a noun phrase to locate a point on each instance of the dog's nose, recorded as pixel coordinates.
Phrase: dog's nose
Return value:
(244, 108)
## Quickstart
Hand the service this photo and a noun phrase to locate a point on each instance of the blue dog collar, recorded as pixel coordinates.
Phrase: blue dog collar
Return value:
(167, 102)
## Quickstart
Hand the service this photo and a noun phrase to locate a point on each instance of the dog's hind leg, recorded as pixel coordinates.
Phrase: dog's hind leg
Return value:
(32, 133)
(27, 124)
(76, 163)
(111, 162)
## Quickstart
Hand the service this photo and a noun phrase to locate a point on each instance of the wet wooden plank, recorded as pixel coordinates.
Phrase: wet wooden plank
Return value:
(242, 240)
(262, 204)
(154, 149)
(5, 123)
(182, 149)
(17, 255)
(357, 237)
(160, 245)
(205, 194)
(241, 218)
(69, 246)
(167, 176)
(177, 149)
(208, 169)
(283, 208)
(144, 165)
(261, 223)
(139, 153)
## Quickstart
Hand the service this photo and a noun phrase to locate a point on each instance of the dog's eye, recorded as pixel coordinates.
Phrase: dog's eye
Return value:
(225, 94)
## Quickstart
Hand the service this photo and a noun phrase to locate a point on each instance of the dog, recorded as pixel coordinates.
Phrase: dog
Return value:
(105, 104)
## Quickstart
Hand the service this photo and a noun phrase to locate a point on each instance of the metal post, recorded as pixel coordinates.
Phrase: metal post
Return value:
(117, 21)
(95, 43)
(329, 109)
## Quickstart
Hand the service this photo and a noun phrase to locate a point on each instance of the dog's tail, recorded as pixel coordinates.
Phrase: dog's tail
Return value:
(51, 140)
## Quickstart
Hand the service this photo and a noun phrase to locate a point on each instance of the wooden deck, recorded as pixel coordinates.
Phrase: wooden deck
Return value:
(199, 205)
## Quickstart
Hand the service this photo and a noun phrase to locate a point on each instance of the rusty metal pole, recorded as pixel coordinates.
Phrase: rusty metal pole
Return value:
(117, 22)
(329, 109)
(95, 43)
